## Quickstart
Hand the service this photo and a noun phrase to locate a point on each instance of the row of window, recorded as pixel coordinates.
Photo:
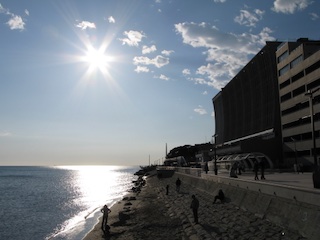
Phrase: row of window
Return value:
(300, 90)
(291, 65)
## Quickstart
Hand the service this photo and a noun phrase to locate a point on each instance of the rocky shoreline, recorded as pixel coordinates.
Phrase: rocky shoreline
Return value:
(151, 214)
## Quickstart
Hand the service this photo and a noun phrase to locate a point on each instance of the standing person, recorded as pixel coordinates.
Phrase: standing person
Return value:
(105, 210)
(262, 165)
(178, 184)
(167, 188)
(194, 206)
(206, 168)
(255, 169)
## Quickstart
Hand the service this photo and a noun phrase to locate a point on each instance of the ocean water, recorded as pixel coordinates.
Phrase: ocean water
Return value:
(58, 202)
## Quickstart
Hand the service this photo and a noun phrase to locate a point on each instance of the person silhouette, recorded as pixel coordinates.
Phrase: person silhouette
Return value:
(105, 210)
(194, 206)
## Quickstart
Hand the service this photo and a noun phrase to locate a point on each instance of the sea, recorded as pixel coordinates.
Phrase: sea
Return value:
(61, 202)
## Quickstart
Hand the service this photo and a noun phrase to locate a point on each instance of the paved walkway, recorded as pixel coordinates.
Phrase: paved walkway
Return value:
(216, 221)
(301, 180)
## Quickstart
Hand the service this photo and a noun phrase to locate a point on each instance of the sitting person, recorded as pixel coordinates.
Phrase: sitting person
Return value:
(220, 196)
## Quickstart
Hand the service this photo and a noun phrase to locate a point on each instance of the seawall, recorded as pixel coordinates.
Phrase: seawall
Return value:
(291, 207)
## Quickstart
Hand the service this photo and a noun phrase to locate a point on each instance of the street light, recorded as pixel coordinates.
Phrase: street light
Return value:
(215, 154)
(316, 172)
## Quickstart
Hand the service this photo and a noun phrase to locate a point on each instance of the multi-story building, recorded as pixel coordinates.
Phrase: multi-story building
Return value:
(247, 110)
(298, 66)
(266, 107)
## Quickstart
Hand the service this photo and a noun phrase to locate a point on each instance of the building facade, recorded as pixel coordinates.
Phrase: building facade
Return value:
(247, 110)
(266, 107)
(298, 65)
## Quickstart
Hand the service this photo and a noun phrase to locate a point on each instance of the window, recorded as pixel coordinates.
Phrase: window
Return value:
(285, 83)
(313, 67)
(284, 70)
(297, 76)
(283, 56)
(296, 61)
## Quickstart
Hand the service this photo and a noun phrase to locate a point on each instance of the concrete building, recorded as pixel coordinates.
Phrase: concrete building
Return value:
(265, 108)
(247, 111)
(298, 65)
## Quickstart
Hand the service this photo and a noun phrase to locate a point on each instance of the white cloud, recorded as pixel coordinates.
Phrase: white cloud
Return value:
(167, 52)
(200, 110)
(146, 49)
(5, 134)
(219, 1)
(163, 77)
(290, 6)
(133, 38)
(16, 22)
(314, 16)
(140, 69)
(159, 61)
(85, 24)
(186, 71)
(226, 53)
(111, 19)
(249, 19)
(205, 93)
(26, 12)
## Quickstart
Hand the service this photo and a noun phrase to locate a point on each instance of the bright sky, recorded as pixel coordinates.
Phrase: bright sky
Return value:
(111, 82)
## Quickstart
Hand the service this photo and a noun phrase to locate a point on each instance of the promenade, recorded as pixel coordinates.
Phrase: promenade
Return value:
(301, 180)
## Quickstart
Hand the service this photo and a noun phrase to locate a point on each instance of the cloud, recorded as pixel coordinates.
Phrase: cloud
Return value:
(85, 24)
(159, 61)
(219, 1)
(249, 19)
(226, 53)
(290, 6)
(205, 93)
(5, 134)
(26, 12)
(140, 69)
(186, 71)
(163, 77)
(167, 52)
(314, 16)
(146, 49)
(111, 19)
(133, 38)
(16, 22)
(200, 110)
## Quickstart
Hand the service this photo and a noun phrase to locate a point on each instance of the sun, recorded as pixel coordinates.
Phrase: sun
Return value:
(97, 59)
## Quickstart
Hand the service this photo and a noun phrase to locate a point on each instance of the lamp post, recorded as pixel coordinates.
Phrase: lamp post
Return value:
(316, 172)
(215, 154)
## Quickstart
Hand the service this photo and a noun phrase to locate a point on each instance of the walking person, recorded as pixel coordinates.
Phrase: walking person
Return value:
(105, 210)
(255, 169)
(167, 188)
(178, 184)
(194, 206)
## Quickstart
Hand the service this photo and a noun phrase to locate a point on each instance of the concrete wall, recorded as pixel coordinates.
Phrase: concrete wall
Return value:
(290, 207)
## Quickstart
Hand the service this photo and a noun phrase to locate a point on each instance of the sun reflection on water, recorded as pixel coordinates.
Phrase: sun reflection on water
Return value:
(96, 186)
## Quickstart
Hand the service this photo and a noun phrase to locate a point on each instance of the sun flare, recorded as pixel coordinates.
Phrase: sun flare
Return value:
(97, 59)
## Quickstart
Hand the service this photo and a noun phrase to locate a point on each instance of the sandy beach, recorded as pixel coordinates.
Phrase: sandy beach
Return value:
(155, 215)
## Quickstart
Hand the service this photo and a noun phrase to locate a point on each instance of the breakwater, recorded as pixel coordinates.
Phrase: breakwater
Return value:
(291, 207)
